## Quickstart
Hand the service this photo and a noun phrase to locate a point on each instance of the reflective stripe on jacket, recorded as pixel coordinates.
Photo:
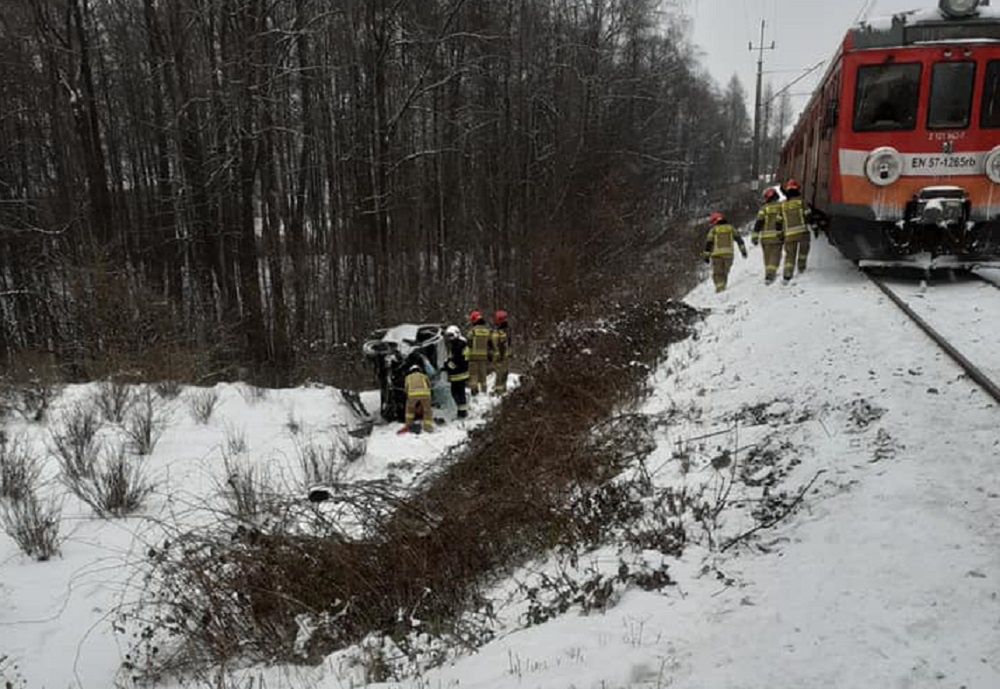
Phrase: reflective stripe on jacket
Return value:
(418, 386)
(458, 366)
(479, 342)
(793, 214)
(769, 223)
(720, 240)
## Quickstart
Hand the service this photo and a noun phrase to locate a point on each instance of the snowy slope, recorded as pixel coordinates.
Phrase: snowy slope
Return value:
(56, 617)
(888, 576)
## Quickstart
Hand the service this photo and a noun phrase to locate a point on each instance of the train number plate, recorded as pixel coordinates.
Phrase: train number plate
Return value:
(932, 165)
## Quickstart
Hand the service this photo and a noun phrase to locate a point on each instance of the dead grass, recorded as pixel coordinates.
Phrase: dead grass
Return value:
(33, 524)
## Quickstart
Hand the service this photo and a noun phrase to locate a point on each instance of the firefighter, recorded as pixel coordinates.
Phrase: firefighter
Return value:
(719, 249)
(795, 216)
(418, 398)
(458, 368)
(500, 351)
(478, 351)
(768, 231)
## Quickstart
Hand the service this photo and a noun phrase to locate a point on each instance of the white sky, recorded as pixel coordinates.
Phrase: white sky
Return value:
(804, 31)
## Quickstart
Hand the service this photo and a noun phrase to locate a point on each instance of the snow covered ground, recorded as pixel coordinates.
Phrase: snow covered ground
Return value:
(887, 575)
(56, 616)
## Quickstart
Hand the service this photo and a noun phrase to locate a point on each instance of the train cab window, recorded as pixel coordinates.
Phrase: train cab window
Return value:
(887, 98)
(991, 97)
(951, 95)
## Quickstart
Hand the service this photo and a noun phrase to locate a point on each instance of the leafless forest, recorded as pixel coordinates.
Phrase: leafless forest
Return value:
(195, 185)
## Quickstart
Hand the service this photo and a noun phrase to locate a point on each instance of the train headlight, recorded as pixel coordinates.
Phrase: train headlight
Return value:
(959, 8)
(993, 165)
(884, 166)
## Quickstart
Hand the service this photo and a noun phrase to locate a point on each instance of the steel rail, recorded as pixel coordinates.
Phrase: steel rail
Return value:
(980, 378)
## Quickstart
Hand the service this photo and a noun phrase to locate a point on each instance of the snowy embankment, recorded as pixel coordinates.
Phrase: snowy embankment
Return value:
(56, 617)
(887, 573)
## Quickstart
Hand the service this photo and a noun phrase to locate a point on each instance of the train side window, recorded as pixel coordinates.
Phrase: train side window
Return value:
(887, 98)
(951, 95)
(991, 97)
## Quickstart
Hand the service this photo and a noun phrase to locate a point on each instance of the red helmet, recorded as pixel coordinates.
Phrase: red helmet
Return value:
(500, 317)
(770, 194)
(792, 185)
(716, 217)
(475, 317)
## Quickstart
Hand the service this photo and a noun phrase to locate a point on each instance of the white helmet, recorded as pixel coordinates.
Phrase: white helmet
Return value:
(452, 331)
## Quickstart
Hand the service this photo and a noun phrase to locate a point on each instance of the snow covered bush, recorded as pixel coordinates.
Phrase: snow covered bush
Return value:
(202, 404)
(168, 389)
(252, 394)
(117, 486)
(114, 398)
(74, 441)
(19, 468)
(32, 524)
(32, 397)
(145, 423)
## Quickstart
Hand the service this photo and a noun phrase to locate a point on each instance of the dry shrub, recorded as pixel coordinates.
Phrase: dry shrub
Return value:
(117, 486)
(32, 524)
(351, 449)
(114, 398)
(249, 494)
(506, 496)
(74, 441)
(19, 468)
(235, 441)
(202, 404)
(318, 464)
(253, 394)
(168, 389)
(145, 424)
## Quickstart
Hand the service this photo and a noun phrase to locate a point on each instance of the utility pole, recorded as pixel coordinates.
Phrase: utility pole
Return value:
(755, 167)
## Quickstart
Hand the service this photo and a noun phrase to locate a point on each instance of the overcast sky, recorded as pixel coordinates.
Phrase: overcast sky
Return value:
(805, 32)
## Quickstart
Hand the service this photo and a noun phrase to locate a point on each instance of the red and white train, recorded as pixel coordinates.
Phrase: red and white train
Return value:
(899, 148)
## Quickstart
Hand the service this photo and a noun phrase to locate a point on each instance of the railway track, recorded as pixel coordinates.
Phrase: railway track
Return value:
(986, 374)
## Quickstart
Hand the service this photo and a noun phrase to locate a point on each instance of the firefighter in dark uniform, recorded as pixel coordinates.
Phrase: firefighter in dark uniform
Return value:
(418, 398)
(500, 352)
(795, 216)
(478, 351)
(458, 368)
(719, 249)
(768, 231)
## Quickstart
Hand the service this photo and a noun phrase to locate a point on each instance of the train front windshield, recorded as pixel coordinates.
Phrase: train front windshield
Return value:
(888, 97)
(951, 95)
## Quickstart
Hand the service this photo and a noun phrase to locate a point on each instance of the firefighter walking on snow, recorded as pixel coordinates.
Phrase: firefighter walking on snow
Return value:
(418, 399)
(719, 249)
(795, 219)
(500, 352)
(478, 337)
(768, 231)
(458, 368)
